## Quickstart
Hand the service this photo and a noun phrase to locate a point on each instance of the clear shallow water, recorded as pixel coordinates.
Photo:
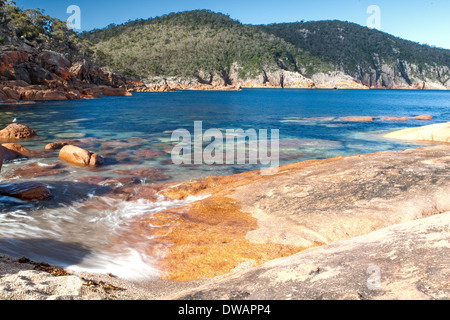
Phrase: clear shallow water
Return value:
(71, 231)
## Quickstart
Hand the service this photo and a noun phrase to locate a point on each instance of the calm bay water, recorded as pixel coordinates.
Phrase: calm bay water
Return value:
(135, 132)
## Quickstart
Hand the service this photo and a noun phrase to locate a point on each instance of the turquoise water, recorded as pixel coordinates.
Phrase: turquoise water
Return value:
(306, 120)
(135, 132)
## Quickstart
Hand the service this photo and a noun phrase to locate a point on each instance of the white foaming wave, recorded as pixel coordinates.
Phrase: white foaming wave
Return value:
(130, 265)
(41, 164)
(125, 260)
(93, 224)
(124, 210)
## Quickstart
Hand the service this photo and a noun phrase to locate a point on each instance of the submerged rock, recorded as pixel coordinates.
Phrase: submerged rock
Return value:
(27, 191)
(81, 157)
(35, 170)
(357, 119)
(150, 173)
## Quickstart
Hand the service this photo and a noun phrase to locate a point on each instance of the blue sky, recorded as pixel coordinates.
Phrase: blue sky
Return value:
(423, 21)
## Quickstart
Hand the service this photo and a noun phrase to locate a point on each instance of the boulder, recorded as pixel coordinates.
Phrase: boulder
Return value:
(17, 131)
(81, 157)
(14, 151)
(32, 73)
(16, 83)
(27, 191)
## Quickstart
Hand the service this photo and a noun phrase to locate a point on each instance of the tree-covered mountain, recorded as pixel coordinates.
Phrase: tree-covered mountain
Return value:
(370, 56)
(196, 44)
(211, 46)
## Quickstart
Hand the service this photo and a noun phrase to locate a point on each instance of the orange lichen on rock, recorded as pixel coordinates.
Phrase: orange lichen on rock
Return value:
(208, 239)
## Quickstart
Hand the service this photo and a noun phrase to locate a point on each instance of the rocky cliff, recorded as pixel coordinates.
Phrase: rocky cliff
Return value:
(280, 79)
(401, 75)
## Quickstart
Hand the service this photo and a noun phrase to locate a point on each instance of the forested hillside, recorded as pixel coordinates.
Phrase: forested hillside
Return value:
(361, 52)
(212, 47)
(183, 44)
(204, 44)
(32, 29)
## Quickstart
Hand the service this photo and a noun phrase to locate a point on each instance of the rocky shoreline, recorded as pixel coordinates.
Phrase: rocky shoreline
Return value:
(278, 79)
(336, 218)
(27, 76)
